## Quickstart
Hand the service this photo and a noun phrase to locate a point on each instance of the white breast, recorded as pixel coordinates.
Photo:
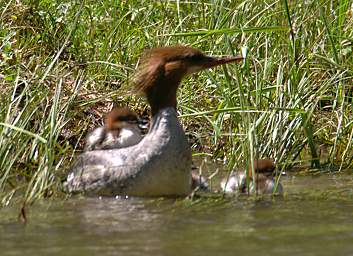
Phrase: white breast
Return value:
(127, 137)
(100, 138)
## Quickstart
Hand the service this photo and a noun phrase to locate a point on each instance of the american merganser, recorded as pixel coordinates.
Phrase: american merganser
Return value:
(120, 130)
(160, 164)
(264, 180)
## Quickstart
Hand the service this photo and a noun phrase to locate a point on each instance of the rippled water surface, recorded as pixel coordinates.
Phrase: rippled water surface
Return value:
(315, 217)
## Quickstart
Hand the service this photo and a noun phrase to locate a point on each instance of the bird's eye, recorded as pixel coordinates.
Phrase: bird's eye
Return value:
(187, 57)
(194, 58)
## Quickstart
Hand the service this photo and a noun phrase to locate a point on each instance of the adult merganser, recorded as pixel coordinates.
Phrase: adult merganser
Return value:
(120, 130)
(264, 180)
(160, 164)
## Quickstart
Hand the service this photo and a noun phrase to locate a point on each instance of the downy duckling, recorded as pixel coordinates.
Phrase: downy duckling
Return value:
(121, 129)
(264, 180)
(198, 182)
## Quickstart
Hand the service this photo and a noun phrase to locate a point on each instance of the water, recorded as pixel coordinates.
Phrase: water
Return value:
(315, 217)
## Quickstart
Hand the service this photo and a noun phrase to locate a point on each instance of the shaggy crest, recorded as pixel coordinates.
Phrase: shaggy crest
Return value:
(152, 64)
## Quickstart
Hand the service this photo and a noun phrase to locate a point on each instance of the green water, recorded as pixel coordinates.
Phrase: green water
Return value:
(315, 217)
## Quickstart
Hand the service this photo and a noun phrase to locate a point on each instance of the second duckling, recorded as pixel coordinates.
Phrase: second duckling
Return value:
(265, 183)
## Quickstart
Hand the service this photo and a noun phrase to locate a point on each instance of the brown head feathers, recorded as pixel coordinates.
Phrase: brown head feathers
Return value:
(120, 115)
(162, 69)
(152, 63)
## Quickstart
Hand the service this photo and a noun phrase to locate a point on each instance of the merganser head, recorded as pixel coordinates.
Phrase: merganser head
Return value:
(162, 69)
(265, 183)
(264, 166)
(119, 118)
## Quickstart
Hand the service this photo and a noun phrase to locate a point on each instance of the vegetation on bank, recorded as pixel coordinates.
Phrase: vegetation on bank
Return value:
(65, 63)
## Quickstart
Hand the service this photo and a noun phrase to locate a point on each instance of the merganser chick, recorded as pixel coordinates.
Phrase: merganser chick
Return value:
(264, 180)
(198, 182)
(120, 130)
(160, 164)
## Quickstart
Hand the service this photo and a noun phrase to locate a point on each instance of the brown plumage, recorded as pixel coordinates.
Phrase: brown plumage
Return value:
(266, 165)
(162, 69)
(118, 116)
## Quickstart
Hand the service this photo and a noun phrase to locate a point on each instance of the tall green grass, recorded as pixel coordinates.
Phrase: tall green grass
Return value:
(63, 63)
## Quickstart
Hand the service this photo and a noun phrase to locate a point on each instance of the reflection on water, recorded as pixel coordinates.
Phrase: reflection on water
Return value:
(313, 218)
